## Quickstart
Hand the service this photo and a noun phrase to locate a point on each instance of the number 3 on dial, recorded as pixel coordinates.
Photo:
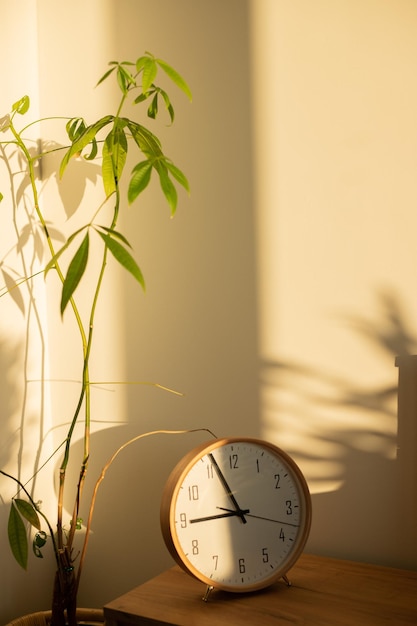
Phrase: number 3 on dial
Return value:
(236, 513)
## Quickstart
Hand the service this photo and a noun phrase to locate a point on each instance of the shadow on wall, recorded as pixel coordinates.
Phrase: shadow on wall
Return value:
(13, 445)
(73, 186)
(358, 456)
(23, 365)
(22, 403)
(10, 399)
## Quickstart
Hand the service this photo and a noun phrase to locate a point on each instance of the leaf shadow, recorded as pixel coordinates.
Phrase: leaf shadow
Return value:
(72, 185)
(346, 433)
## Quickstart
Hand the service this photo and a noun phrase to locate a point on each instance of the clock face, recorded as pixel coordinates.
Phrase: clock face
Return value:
(236, 513)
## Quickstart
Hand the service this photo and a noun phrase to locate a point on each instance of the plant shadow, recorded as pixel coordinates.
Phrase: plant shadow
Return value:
(353, 444)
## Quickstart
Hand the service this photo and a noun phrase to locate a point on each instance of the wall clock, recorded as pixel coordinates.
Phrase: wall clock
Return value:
(236, 513)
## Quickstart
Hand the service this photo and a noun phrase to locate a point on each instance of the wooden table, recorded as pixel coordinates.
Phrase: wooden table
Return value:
(324, 592)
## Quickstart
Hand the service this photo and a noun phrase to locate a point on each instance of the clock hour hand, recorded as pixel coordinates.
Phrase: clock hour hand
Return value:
(229, 513)
(223, 480)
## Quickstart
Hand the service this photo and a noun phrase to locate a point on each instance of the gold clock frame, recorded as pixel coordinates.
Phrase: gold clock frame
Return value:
(168, 504)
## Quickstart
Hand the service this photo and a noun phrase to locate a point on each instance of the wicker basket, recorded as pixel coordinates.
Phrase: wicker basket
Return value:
(43, 618)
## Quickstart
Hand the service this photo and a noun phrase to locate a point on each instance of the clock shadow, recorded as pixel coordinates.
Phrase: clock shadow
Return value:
(229, 596)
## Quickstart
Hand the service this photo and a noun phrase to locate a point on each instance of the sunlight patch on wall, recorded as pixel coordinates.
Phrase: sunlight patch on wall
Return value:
(334, 137)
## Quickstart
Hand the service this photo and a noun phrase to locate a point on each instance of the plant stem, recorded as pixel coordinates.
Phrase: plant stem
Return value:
(30, 161)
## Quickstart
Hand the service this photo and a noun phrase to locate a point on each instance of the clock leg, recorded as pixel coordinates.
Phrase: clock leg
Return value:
(208, 592)
(286, 580)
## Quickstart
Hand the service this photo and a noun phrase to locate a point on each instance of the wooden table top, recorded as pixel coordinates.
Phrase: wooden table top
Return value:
(324, 592)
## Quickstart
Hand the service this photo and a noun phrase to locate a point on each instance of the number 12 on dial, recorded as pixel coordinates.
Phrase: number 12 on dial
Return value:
(236, 513)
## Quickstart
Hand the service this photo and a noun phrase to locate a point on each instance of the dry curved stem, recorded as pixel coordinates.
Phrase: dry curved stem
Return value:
(104, 471)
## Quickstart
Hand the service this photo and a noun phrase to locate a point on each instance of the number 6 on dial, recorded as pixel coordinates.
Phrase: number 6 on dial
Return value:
(236, 513)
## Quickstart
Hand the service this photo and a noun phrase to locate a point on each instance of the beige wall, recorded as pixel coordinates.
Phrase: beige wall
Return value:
(296, 248)
(335, 143)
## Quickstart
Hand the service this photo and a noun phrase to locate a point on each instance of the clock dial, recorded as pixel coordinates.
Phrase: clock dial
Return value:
(236, 513)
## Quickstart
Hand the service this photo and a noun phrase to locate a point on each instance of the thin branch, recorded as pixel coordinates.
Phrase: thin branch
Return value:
(104, 471)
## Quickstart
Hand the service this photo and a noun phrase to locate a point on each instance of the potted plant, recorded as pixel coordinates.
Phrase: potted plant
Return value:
(108, 140)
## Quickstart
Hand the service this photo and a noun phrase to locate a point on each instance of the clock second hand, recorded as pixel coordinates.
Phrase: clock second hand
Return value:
(267, 519)
(223, 480)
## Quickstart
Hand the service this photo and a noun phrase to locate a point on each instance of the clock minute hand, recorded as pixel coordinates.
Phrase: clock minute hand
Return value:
(223, 480)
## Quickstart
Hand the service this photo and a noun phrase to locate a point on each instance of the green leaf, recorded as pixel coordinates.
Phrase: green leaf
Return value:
(141, 175)
(168, 104)
(114, 233)
(56, 257)
(175, 77)
(83, 140)
(17, 537)
(1, 196)
(93, 152)
(107, 172)
(28, 511)
(143, 96)
(119, 152)
(39, 541)
(22, 105)
(150, 70)
(177, 174)
(124, 258)
(148, 143)
(140, 63)
(114, 157)
(167, 186)
(75, 128)
(124, 78)
(153, 107)
(78, 523)
(107, 74)
(75, 272)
